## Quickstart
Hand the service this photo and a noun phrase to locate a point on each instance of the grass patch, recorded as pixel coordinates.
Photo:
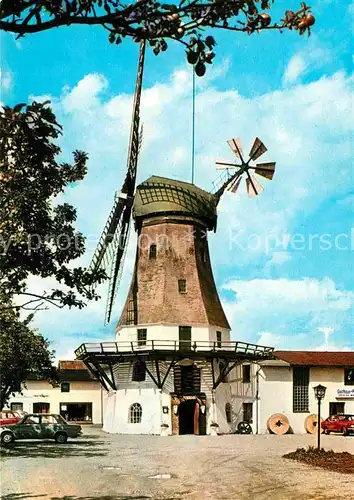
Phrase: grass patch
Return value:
(338, 462)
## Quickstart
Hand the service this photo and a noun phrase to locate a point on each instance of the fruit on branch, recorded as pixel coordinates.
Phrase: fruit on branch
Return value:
(200, 69)
(310, 20)
(289, 15)
(265, 19)
(302, 24)
(192, 57)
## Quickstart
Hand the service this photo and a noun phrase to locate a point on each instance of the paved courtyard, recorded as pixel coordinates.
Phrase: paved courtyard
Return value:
(116, 467)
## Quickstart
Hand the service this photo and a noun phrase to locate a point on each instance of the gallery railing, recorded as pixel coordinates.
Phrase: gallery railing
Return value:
(135, 346)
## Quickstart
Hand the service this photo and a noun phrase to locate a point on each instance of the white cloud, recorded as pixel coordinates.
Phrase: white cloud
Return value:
(6, 80)
(297, 296)
(270, 339)
(287, 308)
(298, 342)
(307, 129)
(295, 68)
(85, 94)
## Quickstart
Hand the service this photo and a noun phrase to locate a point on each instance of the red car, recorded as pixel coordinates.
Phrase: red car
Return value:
(339, 423)
(9, 417)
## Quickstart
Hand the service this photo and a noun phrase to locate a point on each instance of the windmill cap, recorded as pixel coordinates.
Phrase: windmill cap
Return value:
(163, 196)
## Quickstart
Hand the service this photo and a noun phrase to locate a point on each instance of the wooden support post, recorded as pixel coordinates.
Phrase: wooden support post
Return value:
(173, 362)
(158, 373)
(152, 377)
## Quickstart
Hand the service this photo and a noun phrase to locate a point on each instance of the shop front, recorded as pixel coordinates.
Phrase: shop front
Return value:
(77, 412)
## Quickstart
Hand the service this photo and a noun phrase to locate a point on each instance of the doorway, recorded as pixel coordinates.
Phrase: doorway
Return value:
(77, 412)
(336, 408)
(185, 338)
(186, 416)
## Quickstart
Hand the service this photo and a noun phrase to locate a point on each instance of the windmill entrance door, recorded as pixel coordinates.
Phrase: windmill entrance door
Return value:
(187, 416)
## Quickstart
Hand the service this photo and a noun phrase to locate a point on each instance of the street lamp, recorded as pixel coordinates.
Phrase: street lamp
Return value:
(320, 392)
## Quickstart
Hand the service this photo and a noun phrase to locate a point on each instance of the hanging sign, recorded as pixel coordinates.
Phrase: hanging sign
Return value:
(345, 393)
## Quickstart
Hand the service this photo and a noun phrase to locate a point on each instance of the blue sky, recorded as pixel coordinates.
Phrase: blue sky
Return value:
(283, 262)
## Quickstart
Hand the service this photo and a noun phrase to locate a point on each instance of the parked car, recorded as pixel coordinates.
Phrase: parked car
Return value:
(339, 423)
(9, 417)
(40, 426)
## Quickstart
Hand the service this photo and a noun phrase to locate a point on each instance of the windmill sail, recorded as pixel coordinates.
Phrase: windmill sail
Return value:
(112, 244)
(257, 149)
(265, 170)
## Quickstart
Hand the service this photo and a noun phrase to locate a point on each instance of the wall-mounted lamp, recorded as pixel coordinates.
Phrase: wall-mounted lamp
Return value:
(165, 409)
(202, 408)
(175, 409)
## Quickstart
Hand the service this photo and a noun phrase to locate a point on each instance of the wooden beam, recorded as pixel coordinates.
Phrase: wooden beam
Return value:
(158, 373)
(173, 362)
(103, 374)
(151, 376)
(96, 374)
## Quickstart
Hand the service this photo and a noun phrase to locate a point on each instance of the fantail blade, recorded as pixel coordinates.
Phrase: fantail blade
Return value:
(265, 170)
(233, 186)
(222, 164)
(254, 188)
(236, 146)
(257, 149)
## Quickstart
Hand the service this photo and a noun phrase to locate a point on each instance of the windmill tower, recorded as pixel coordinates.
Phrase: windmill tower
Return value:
(167, 371)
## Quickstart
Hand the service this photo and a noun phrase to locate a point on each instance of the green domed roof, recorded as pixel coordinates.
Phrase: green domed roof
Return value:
(159, 195)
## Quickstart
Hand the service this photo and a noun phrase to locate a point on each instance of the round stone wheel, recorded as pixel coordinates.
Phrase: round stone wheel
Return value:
(278, 423)
(311, 424)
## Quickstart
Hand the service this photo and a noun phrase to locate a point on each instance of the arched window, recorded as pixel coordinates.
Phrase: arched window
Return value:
(228, 413)
(135, 413)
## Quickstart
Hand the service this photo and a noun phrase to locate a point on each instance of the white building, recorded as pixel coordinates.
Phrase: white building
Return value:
(285, 385)
(77, 396)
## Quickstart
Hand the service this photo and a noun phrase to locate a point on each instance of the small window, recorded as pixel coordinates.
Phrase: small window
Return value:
(246, 374)
(142, 333)
(228, 413)
(65, 387)
(218, 340)
(349, 376)
(182, 286)
(16, 406)
(135, 413)
(248, 412)
(139, 371)
(152, 252)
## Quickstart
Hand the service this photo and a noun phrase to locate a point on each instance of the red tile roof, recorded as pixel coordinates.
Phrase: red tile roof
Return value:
(317, 358)
(72, 365)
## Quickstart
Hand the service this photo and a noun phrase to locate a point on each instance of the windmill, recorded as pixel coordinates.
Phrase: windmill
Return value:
(110, 251)
(167, 193)
(253, 186)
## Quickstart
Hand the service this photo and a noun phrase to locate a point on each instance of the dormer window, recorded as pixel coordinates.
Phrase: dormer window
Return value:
(182, 286)
(152, 252)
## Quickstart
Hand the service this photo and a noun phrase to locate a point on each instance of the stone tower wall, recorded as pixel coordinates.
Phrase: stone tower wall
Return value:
(181, 254)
